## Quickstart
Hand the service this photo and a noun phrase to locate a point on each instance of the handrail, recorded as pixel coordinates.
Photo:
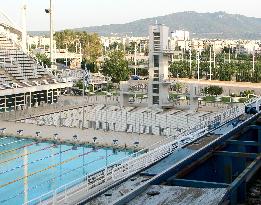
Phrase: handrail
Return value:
(28, 55)
(13, 62)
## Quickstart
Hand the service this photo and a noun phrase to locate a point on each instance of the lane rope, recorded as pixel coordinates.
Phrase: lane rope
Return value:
(52, 179)
(3, 145)
(3, 138)
(13, 150)
(23, 155)
(42, 170)
(37, 160)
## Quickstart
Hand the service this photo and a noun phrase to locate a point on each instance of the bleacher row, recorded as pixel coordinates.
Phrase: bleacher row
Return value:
(112, 100)
(18, 69)
(128, 119)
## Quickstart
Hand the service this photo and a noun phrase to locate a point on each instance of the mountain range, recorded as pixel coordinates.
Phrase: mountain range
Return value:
(219, 25)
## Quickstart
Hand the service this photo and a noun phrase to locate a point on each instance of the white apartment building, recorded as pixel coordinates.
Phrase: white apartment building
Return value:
(39, 41)
(180, 35)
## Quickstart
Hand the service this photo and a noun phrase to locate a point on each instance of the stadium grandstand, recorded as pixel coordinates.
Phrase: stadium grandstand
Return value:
(24, 83)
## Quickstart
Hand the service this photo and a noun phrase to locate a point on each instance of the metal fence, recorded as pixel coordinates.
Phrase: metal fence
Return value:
(90, 183)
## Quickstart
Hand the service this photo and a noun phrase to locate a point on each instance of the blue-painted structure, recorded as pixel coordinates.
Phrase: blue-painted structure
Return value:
(229, 161)
(229, 166)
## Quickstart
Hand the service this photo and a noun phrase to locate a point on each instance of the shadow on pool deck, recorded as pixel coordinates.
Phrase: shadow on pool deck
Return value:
(83, 136)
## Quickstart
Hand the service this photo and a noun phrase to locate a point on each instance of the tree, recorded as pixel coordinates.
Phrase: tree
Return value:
(213, 90)
(181, 69)
(116, 46)
(90, 43)
(256, 78)
(79, 84)
(246, 93)
(244, 72)
(116, 67)
(91, 66)
(142, 72)
(226, 71)
(44, 59)
(92, 48)
(178, 87)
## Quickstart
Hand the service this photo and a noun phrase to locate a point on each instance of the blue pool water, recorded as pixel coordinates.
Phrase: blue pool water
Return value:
(29, 169)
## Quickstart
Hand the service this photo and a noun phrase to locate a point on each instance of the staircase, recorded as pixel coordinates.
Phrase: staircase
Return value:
(19, 68)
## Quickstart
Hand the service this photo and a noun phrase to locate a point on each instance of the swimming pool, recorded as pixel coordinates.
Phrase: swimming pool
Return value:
(29, 169)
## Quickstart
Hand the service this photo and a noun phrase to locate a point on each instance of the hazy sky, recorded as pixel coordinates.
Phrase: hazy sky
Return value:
(79, 13)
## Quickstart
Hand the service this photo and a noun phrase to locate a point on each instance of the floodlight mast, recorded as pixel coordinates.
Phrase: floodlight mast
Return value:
(210, 63)
(190, 59)
(51, 33)
(24, 32)
(50, 12)
(214, 52)
(198, 60)
(229, 55)
(253, 69)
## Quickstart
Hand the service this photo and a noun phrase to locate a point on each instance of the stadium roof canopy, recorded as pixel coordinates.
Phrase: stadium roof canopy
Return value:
(7, 23)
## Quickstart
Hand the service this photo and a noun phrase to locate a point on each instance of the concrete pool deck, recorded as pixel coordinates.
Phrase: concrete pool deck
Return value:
(104, 138)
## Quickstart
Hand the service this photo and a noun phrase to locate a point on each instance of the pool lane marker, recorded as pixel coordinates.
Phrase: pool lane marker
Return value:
(3, 145)
(37, 160)
(23, 155)
(43, 170)
(13, 150)
(52, 179)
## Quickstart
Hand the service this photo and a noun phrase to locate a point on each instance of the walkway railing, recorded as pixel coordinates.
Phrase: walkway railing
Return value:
(29, 112)
(91, 183)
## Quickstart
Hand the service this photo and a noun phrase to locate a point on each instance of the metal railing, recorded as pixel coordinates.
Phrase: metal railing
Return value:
(43, 109)
(168, 124)
(126, 167)
(17, 45)
(252, 100)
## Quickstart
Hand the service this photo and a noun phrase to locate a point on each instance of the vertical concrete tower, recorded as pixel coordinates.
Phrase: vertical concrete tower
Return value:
(159, 54)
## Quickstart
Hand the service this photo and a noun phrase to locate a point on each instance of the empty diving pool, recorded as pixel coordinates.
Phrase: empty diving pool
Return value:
(29, 169)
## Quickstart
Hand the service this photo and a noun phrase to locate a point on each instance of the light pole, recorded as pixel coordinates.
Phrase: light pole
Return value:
(50, 11)
(198, 59)
(66, 59)
(190, 59)
(85, 81)
(253, 68)
(210, 64)
(229, 54)
(135, 58)
(177, 78)
(107, 80)
(24, 34)
(214, 52)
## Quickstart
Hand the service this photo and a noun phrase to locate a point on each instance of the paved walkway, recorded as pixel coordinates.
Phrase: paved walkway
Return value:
(221, 83)
(228, 86)
(83, 136)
